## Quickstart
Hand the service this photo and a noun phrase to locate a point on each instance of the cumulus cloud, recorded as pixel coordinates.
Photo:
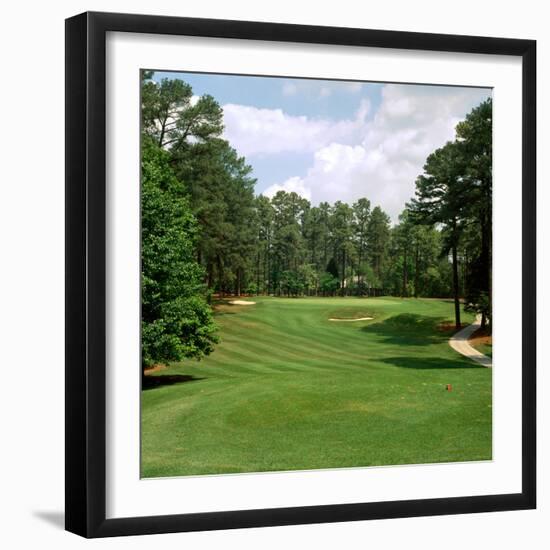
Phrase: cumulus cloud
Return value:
(294, 184)
(381, 158)
(252, 130)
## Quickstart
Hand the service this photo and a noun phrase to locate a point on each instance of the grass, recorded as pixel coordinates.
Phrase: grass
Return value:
(486, 349)
(286, 389)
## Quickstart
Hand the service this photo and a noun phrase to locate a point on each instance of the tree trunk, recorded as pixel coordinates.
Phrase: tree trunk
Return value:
(162, 131)
(455, 287)
(344, 272)
(267, 272)
(359, 270)
(404, 289)
(416, 264)
(209, 275)
(485, 254)
(220, 276)
(258, 273)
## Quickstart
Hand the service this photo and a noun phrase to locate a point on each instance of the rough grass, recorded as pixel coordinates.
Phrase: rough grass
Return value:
(287, 389)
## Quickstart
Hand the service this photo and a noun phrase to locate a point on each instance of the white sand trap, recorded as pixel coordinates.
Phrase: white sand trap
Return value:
(351, 320)
(241, 303)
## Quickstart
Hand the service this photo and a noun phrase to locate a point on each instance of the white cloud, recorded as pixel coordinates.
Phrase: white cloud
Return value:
(268, 131)
(381, 158)
(294, 184)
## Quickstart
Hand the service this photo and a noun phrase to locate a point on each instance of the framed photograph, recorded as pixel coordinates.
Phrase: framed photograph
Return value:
(289, 251)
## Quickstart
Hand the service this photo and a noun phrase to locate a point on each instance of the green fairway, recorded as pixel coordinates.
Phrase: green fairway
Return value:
(287, 389)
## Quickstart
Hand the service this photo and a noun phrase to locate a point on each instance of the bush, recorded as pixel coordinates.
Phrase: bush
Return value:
(328, 283)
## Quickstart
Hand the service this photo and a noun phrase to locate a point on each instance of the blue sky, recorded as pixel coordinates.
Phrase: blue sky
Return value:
(335, 140)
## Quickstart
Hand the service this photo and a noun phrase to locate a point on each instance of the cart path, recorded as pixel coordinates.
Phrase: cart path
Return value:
(459, 342)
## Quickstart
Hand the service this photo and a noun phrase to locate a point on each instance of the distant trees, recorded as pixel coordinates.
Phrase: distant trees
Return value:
(341, 250)
(378, 239)
(310, 250)
(362, 216)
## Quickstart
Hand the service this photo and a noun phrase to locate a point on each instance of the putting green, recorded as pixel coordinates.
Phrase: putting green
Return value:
(288, 389)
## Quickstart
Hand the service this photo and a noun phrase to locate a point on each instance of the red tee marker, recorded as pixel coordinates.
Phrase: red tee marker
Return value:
(449, 387)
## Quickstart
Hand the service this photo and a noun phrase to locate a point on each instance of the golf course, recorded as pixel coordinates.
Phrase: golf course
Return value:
(289, 387)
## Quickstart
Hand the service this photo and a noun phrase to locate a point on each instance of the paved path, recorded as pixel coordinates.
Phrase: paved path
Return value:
(459, 342)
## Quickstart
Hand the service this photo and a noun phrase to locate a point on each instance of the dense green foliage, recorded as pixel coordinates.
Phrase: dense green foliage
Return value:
(176, 318)
(343, 250)
(221, 195)
(288, 389)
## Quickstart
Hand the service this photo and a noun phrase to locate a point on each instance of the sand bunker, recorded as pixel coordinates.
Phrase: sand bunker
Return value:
(350, 320)
(241, 303)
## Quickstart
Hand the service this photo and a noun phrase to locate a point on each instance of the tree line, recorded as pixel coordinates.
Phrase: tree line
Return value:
(205, 232)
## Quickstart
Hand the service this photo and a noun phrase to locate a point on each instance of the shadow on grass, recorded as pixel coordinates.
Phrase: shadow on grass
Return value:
(408, 329)
(151, 381)
(430, 363)
(221, 308)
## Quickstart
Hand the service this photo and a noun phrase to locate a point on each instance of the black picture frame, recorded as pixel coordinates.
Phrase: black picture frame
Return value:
(86, 278)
